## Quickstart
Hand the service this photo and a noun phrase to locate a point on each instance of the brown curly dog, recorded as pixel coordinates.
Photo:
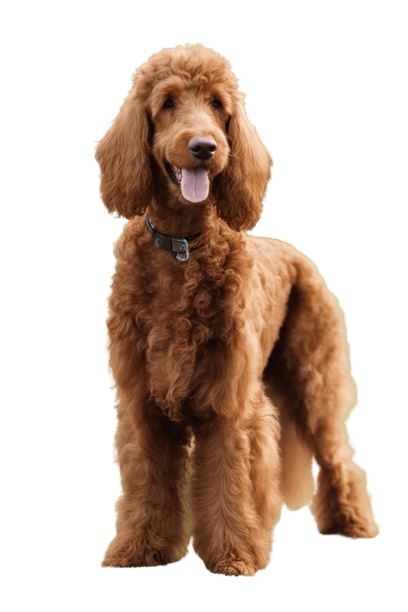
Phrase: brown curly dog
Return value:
(228, 352)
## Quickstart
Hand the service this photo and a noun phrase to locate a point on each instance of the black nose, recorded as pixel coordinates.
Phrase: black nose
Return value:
(202, 147)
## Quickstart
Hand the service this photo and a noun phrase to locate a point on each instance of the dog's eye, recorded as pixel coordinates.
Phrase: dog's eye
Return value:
(216, 103)
(168, 103)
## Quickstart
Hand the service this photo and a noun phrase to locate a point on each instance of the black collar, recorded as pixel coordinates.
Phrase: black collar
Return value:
(177, 246)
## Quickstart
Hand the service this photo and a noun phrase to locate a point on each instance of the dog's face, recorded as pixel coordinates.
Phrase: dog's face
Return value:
(190, 141)
(182, 135)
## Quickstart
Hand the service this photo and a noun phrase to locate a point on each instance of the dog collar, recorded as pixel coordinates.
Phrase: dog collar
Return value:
(178, 247)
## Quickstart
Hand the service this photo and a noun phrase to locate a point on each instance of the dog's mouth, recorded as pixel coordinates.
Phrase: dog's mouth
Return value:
(193, 182)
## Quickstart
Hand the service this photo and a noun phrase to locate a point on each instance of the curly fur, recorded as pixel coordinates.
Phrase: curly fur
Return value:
(231, 370)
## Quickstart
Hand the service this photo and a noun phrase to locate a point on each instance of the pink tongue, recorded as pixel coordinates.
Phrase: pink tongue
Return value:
(194, 184)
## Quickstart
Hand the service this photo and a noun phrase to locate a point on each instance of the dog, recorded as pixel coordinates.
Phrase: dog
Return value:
(227, 350)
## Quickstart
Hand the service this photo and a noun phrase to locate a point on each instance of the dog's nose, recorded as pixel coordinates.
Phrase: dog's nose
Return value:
(202, 147)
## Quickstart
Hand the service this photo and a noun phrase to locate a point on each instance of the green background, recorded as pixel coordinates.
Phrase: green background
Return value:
(325, 87)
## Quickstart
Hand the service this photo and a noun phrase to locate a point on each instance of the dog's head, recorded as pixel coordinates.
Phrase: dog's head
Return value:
(183, 133)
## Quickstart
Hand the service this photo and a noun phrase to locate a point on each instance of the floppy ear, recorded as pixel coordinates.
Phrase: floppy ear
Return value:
(240, 188)
(124, 158)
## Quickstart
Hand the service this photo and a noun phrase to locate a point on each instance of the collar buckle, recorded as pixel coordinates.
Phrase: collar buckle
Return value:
(179, 246)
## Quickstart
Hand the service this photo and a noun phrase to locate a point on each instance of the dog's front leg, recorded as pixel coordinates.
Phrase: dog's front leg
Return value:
(152, 459)
(235, 491)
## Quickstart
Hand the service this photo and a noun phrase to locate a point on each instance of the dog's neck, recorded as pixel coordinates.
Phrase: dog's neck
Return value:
(174, 219)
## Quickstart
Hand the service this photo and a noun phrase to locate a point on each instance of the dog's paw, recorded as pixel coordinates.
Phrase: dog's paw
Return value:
(234, 565)
(349, 526)
(341, 505)
(122, 553)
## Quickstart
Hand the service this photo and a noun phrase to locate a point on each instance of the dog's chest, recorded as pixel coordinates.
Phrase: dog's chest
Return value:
(181, 319)
(186, 325)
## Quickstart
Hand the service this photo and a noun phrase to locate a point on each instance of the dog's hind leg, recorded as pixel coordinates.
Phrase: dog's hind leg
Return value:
(309, 368)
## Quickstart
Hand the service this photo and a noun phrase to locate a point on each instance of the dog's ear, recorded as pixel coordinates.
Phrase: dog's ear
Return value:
(124, 158)
(240, 188)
